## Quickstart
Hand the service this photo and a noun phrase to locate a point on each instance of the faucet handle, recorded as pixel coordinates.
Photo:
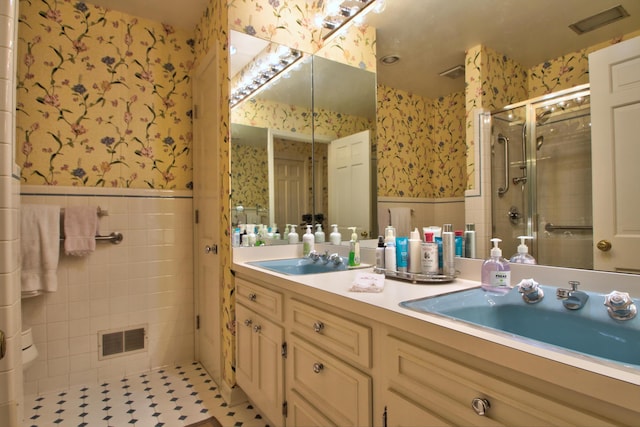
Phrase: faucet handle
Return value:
(314, 256)
(620, 306)
(531, 291)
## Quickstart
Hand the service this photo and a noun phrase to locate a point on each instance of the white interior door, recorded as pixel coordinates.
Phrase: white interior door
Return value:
(290, 194)
(349, 175)
(614, 74)
(206, 201)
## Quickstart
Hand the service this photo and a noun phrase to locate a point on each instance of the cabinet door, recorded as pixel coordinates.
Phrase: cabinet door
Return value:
(260, 365)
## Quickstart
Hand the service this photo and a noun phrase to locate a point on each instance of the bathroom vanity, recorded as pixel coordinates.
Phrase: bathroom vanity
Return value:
(310, 352)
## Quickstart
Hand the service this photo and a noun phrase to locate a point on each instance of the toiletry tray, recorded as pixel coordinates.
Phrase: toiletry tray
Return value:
(416, 278)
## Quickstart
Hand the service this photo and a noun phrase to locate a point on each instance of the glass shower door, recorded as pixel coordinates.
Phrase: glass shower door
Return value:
(541, 178)
(561, 197)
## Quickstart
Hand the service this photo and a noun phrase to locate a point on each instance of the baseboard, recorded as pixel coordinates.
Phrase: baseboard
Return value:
(232, 395)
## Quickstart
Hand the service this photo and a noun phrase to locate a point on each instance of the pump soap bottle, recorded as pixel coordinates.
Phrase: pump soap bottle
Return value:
(335, 237)
(496, 272)
(523, 257)
(319, 233)
(354, 249)
(293, 236)
(307, 242)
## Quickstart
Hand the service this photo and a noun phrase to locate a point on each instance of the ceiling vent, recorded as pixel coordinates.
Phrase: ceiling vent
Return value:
(454, 73)
(599, 20)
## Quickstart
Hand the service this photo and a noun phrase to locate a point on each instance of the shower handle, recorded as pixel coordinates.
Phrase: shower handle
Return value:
(505, 141)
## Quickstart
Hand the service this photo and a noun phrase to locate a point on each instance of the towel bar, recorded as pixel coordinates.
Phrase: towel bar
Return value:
(114, 238)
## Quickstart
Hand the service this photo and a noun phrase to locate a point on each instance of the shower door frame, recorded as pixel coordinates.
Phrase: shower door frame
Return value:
(530, 208)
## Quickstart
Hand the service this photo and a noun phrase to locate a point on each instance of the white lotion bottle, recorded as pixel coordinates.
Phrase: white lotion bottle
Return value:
(415, 265)
(429, 255)
(308, 242)
(319, 233)
(293, 236)
(522, 256)
(335, 237)
(496, 272)
(390, 250)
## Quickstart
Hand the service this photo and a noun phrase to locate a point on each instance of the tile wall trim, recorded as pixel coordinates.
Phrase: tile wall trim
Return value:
(43, 190)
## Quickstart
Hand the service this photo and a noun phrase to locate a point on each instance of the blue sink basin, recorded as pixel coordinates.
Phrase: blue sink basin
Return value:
(589, 330)
(297, 266)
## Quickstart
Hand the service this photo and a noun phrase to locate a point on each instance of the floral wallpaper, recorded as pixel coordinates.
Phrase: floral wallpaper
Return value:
(566, 71)
(420, 145)
(355, 47)
(104, 98)
(249, 175)
(287, 22)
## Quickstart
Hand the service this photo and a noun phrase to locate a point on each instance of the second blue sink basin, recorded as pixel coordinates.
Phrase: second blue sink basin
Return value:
(589, 330)
(298, 266)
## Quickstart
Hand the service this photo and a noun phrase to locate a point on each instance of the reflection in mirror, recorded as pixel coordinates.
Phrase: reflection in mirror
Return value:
(504, 64)
(249, 175)
(541, 159)
(299, 136)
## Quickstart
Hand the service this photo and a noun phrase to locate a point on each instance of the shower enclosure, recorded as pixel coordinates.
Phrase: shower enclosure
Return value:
(541, 178)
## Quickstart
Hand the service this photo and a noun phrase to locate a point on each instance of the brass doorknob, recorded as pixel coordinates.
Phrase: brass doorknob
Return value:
(604, 245)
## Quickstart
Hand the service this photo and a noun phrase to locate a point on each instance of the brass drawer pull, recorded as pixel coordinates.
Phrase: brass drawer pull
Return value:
(317, 367)
(252, 296)
(257, 329)
(248, 322)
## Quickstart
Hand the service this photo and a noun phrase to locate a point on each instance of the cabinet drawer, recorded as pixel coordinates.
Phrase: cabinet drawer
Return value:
(342, 337)
(447, 388)
(260, 299)
(338, 391)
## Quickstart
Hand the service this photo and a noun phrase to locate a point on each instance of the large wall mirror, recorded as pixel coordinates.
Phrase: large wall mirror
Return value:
(295, 146)
(437, 36)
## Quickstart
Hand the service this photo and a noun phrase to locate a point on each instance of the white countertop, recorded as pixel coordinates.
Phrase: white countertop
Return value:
(396, 291)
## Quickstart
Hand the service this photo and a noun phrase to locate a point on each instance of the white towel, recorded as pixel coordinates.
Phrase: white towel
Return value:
(80, 230)
(39, 248)
(401, 220)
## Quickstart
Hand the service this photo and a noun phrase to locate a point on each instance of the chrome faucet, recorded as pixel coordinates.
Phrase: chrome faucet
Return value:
(620, 306)
(572, 299)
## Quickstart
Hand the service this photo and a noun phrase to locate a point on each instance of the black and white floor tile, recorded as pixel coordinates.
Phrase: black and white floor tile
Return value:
(170, 397)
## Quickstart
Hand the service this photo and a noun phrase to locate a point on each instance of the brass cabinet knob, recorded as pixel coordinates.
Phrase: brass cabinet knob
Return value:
(480, 406)
(604, 245)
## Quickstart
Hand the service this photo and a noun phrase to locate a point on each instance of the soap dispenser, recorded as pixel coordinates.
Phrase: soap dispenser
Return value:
(319, 233)
(293, 236)
(522, 256)
(335, 237)
(354, 249)
(496, 272)
(307, 241)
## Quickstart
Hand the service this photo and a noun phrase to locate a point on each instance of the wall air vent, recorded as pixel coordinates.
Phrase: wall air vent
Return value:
(121, 342)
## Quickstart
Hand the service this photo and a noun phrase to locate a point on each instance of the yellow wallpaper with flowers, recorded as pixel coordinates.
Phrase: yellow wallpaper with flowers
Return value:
(104, 98)
(420, 145)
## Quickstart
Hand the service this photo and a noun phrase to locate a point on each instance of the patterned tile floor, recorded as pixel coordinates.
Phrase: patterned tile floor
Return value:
(170, 397)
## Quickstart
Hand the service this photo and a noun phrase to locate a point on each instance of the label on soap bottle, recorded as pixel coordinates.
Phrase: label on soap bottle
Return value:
(501, 279)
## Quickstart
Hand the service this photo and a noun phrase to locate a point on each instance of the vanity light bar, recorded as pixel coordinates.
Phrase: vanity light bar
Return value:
(261, 76)
(346, 12)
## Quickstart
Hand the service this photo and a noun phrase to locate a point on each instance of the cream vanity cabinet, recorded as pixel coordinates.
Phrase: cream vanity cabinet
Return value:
(259, 346)
(348, 363)
(426, 384)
